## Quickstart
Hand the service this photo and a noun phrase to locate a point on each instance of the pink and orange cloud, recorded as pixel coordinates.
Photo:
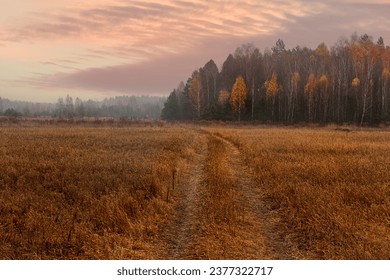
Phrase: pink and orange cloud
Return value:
(101, 45)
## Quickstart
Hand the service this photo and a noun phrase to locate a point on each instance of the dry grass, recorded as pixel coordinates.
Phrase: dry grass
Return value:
(228, 226)
(75, 192)
(220, 216)
(331, 188)
(85, 193)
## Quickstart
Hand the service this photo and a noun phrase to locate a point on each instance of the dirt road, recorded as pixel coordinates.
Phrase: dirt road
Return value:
(219, 212)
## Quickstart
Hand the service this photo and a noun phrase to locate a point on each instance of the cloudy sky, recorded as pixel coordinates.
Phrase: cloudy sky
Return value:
(101, 48)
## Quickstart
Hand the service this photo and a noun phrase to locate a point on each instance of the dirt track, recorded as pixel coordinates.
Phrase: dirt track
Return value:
(219, 211)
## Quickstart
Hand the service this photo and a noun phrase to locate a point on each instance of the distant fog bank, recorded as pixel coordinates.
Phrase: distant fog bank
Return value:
(130, 107)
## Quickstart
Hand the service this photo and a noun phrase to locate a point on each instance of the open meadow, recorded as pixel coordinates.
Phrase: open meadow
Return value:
(192, 192)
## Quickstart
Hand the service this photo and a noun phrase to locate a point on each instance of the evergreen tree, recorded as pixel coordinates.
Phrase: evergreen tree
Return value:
(171, 108)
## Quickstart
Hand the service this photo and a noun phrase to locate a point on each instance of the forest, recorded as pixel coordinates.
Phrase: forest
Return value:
(127, 107)
(346, 83)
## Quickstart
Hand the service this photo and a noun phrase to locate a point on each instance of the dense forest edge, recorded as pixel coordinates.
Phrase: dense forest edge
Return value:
(346, 83)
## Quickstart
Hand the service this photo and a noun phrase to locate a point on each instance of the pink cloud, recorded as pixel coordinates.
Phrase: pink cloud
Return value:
(140, 22)
(153, 77)
(150, 46)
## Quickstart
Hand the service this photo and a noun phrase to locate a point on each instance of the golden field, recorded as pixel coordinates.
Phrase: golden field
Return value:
(187, 192)
(85, 193)
(330, 188)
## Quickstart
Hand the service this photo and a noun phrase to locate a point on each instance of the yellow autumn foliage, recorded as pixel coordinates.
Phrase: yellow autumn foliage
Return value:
(223, 97)
(296, 78)
(238, 96)
(272, 85)
(324, 81)
(356, 82)
(310, 87)
(386, 73)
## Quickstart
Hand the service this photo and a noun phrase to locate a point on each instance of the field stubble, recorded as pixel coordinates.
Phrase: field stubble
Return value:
(102, 193)
(229, 224)
(331, 189)
(86, 193)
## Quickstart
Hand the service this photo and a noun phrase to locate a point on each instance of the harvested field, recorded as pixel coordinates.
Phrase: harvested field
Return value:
(85, 193)
(186, 192)
(329, 188)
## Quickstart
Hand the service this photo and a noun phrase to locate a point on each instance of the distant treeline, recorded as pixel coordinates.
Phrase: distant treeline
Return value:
(349, 82)
(129, 107)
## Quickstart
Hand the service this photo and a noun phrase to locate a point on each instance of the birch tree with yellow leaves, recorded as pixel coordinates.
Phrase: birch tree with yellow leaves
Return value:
(238, 96)
(292, 95)
(310, 91)
(273, 88)
(323, 89)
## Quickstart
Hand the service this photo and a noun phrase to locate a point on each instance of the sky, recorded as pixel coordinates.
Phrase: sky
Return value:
(95, 49)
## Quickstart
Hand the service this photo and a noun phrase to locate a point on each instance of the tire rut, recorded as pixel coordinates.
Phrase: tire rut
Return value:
(267, 243)
(186, 228)
(179, 233)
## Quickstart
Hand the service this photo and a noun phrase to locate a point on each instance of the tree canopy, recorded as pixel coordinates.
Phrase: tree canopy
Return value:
(348, 82)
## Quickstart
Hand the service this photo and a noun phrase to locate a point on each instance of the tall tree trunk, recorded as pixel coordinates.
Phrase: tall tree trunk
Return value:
(339, 100)
(253, 96)
(364, 107)
(239, 111)
(198, 109)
